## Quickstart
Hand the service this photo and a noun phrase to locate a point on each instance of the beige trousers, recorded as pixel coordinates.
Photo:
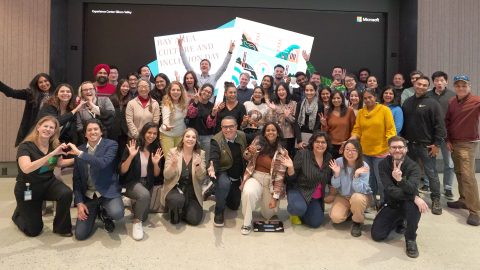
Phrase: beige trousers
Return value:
(342, 206)
(256, 190)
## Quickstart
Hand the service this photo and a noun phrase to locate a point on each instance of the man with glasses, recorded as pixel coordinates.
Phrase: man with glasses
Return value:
(400, 176)
(462, 122)
(132, 83)
(227, 167)
(424, 129)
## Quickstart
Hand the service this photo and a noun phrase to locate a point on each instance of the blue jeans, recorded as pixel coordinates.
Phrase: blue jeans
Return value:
(417, 152)
(374, 181)
(311, 215)
(204, 141)
(114, 208)
(447, 168)
(227, 193)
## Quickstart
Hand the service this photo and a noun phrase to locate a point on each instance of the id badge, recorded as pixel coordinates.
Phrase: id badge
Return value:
(27, 195)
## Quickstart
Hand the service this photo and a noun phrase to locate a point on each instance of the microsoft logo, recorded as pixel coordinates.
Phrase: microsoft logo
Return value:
(365, 19)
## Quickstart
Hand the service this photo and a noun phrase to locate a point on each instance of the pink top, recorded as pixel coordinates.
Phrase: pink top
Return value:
(317, 194)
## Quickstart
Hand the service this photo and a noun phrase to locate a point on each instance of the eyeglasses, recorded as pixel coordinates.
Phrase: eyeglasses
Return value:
(229, 127)
(397, 147)
(351, 150)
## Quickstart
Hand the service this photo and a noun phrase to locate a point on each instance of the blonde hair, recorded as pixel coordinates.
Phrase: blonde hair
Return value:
(196, 148)
(53, 141)
(80, 88)
(168, 102)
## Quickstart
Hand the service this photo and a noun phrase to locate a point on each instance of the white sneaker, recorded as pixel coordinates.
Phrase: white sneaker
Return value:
(127, 202)
(137, 231)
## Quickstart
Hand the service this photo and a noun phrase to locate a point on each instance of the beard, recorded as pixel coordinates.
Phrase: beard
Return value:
(102, 80)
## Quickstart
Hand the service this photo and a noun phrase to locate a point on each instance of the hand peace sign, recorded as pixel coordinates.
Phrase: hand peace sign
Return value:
(397, 173)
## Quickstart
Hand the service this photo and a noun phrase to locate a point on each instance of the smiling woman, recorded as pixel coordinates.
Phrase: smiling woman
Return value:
(183, 174)
(37, 156)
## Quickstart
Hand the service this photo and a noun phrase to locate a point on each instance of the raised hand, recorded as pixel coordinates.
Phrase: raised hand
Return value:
(305, 55)
(196, 96)
(363, 169)
(132, 148)
(221, 106)
(173, 159)
(252, 148)
(344, 73)
(177, 75)
(232, 46)
(335, 168)
(397, 173)
(180, 41)
(323, 119)
(211, 170)
(157, 156)
(286, 161)
(271, 105)
(73, 149)
(60, 150)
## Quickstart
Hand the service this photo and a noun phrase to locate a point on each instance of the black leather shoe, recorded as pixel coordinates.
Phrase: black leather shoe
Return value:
(412, 249)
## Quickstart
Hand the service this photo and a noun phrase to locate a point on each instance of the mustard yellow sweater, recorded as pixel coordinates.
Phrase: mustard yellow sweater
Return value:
(374, 128)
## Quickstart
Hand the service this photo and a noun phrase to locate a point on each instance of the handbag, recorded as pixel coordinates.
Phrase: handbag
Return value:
(155, 205)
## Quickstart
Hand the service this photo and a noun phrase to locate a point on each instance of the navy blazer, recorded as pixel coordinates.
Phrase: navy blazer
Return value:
(103, 169)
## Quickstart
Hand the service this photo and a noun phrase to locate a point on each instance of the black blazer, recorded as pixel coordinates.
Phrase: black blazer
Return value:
(133, 173)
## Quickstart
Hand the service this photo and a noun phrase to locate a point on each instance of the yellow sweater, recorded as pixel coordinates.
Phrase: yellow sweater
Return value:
(374, 128)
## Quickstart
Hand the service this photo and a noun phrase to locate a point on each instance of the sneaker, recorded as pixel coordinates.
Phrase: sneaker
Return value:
(137, 231)
(457, 205)
(295, 220)
(448, 194)
(436, 207)
(473, 220)
(356, 229)
(246, 229)
(108, 224)
(412, 249)
(209, 191)
(218, 220)
(424, 189)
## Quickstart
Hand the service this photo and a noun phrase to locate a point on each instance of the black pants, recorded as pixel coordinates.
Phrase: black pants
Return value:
(227, 193)
(389, 218)
(28, 214)
(186, 204)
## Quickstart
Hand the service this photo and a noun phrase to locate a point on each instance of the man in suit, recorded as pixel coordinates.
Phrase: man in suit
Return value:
(95, 181)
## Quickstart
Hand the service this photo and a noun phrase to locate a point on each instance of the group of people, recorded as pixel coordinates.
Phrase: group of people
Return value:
(339, 141)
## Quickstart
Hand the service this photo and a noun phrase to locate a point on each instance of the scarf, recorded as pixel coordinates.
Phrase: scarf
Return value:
(144, 101)
(308, 109)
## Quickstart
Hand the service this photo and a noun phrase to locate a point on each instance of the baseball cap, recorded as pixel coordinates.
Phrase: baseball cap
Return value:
(464, 78)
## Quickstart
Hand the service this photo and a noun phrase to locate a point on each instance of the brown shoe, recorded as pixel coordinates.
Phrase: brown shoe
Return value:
(473, 220)
(457, 205)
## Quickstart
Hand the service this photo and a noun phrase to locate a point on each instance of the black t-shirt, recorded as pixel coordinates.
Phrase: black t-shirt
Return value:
(43, 173)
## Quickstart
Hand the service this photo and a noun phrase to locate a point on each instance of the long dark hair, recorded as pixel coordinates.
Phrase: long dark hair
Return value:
(55, 101)
(343, 106)
(276, 99)
(360, 98)
(265, 147)
(359, 160)
(35, 90)
(167, 81)
(141, 137)
(270, 89)
(117, 99)
(195, 80)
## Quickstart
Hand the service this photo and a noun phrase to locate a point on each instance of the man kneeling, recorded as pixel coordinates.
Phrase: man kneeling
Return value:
(400, 176)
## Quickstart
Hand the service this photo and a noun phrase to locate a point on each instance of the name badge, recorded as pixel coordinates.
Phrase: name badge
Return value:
(27, 194)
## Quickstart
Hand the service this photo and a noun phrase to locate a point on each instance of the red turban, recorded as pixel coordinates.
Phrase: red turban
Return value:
(100, 66)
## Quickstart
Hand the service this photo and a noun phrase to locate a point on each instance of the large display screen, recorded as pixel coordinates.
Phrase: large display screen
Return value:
(124, 34)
